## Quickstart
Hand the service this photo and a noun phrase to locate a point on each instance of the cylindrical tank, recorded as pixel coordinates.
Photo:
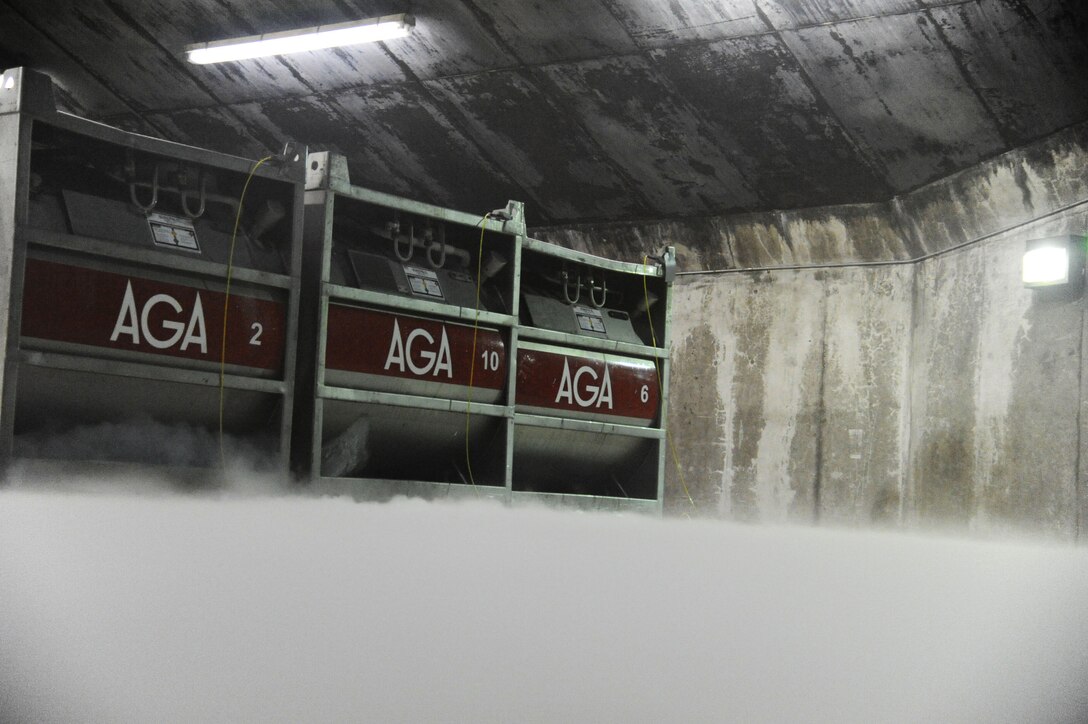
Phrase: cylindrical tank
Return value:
(590, 373)
(407, 309)
(148, 300)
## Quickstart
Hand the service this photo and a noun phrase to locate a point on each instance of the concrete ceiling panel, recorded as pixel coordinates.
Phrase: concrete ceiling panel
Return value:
(651, 134)
(134, 124)
(793, 14)
(554, 30)
(1020, 64)
(79, 91)
(537, 144)
(403, 126)
(320, 125)
(117, 50)
(591, 110)
(898, 88)
(218, 129)
(449, 40)
(657, 24)
(787, 142)
(348, 67)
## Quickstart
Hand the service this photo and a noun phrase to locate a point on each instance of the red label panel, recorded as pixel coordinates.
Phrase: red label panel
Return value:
(86, 306)
(396, 345)
(621, 387)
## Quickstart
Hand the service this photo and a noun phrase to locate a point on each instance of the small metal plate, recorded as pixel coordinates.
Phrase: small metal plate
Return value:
(173, 232)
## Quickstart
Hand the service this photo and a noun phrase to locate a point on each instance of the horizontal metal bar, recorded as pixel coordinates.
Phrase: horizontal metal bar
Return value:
(393, 399)
(586, 502)
(336, 292)
(172, 149)
(53, 360)
(149, 257)
(384, 489)
(604, 428)
(85, 351)
(415, 207)
(544, 247)
(577, 340)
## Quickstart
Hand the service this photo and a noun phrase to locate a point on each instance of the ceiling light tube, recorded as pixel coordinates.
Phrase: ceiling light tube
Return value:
(297, 41)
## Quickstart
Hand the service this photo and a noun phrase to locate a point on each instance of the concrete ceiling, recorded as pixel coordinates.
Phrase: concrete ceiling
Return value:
(590, 110)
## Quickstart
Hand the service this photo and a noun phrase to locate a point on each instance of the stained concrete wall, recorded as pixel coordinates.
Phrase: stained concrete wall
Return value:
(996, 386)
(809, 372)
(930, 389)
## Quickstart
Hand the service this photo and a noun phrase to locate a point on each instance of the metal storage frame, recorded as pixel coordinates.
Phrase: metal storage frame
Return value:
(654, 433)
(27, 108)
(328, 186)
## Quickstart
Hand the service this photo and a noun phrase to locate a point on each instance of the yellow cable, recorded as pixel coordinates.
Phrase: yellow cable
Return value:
(661, 387)
(226, 305)
(472, 364)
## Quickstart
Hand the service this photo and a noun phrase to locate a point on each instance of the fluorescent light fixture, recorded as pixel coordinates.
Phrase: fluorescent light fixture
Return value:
(297, 41)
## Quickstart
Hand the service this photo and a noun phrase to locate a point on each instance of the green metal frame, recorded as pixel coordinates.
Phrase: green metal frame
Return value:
(26, 102)
(328, 181)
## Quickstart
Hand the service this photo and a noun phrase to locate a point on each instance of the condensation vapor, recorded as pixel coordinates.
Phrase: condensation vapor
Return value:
(148, 441)
(168, 608)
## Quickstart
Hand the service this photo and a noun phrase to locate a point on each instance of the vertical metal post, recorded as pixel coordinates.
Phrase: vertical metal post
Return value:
(512, 363)
(665, 369)
(294, 169)
(309, 342)
(21, 91)
(1080, 480)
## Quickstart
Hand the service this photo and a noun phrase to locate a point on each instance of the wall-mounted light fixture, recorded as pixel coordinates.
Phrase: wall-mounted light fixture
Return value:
(1054, 261)
(296, 41)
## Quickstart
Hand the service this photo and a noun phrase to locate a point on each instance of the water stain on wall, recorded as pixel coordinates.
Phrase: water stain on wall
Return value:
(945, 378)
(696, 420)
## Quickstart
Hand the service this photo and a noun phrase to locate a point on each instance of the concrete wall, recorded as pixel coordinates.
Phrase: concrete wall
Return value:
(931, 390)
(996, 389)
(810, 371)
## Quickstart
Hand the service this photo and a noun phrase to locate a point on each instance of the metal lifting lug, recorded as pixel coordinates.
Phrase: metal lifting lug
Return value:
(432, 242)
(593, 292)
(411, 243)
(203, 196)
(154, 189)
(577, 288)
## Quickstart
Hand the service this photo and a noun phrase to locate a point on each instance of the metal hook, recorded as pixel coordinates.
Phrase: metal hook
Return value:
(440, 242)
(203, 198)
(604, 292)
(154, 192)
(411, 244)
(577, 288)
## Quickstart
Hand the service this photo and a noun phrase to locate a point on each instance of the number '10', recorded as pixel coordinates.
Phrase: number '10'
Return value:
(491, 360)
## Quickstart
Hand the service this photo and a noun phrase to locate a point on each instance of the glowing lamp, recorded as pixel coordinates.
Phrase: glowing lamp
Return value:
(319, 37)
(1053, 261)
